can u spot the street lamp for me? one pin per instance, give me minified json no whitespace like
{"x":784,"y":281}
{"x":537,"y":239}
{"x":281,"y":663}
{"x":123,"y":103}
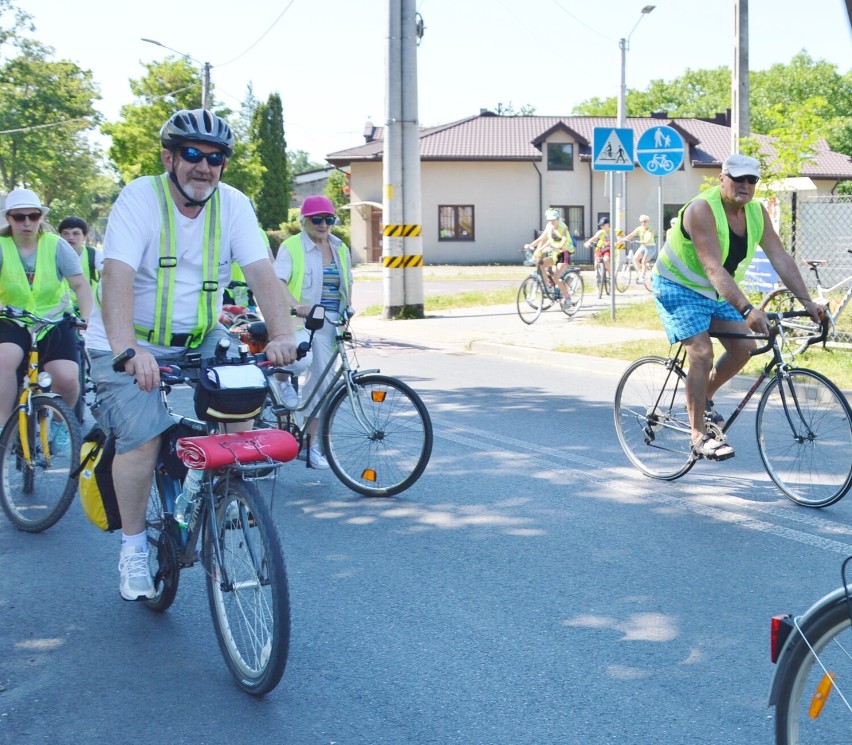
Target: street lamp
{"x":205,"y":66}
{"x":624,"y":45}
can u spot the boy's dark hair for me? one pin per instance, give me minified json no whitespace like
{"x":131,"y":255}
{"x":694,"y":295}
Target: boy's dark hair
{"x":74,"y":222}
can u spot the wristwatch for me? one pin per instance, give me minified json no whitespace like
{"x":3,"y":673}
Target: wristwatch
{"x":745,"y":311}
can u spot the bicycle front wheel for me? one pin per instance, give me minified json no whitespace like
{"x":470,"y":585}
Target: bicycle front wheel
{"x":600,"y":279}
{"x":574,"y":283}
{"x":810,"y":707}
{"x":622,"y":277}
{"x":651,"y":419}
{"x":378,"y":441}
{"x":247,"y":585}
{"x":804,"y":436}
{"x":35,"y":494}
{"x":530,"y":300}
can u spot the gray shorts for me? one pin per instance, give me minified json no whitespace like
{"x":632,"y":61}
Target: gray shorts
{"x":132,"y":415}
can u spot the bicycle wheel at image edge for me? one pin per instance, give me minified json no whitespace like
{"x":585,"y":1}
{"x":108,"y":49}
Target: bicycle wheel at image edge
{"x":651,"y":419}
{"x":530,"y":300}
{"x":247,"y":585}
{"x":804,"y":682}
{"x":806,"y":446}
{"x":574,"y":282}
{"x":391,"y":453}
{"x":35,"y":497}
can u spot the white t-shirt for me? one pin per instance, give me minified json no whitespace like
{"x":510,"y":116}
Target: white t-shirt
{"x":133,"y":237}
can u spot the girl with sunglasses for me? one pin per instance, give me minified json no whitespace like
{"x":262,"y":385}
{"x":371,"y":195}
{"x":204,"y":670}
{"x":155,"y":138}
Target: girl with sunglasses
{"x":315,"y":267}
{"x":36,"y":269}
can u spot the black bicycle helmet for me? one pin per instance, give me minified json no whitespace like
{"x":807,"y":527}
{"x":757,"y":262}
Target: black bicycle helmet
{"x":198,"y":125}
{"x":603,"y":221}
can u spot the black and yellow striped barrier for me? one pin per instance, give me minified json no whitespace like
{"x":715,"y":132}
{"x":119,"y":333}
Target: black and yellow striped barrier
{"x":402,"y":231}
{"x":402,"y":262}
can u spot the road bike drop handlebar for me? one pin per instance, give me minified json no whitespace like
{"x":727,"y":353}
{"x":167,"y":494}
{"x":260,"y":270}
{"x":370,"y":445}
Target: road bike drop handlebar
{"x":775,"y":328}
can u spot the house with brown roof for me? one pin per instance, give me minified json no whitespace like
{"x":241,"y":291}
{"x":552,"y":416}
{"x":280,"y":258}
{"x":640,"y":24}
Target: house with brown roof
{"x":486,"y":181}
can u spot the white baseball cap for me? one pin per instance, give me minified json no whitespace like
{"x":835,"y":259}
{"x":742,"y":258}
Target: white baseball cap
{"x":737,"y":165}
{"x":19,"y":199}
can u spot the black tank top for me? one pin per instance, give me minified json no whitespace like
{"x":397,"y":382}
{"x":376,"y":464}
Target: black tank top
{"x":737,"y":250}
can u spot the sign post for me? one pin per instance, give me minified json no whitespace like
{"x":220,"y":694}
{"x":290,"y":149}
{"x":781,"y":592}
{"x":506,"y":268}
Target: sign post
{"x":660,"y":152}
{"x":612,"y":151}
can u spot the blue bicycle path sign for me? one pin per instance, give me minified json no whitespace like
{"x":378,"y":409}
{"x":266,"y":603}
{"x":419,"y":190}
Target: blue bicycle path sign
{"x":660,"y":150}
{"x":613,"y":149}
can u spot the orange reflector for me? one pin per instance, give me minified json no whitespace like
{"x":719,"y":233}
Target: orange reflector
{"x":378,"y":396}
{"x":368,"y":474}
{"x":821,"y":695}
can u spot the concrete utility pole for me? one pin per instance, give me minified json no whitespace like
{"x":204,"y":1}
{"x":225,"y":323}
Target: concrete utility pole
{"x":402,"y":245}
{"x":740,"y":116}
{"x":205,"y":72}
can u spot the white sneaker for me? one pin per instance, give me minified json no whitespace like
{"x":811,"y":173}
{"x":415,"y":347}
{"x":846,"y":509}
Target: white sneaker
{"x":136,"y":580}
{"x":289,"y":396}
{"x":316,"y":458}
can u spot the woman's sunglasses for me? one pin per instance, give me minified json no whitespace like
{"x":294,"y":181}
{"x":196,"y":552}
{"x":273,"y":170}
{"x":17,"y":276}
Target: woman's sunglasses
{"x":320,"y":219}
{"x":31,"y":216}
{"x":740,"y":179}
{"x":194,"y":155}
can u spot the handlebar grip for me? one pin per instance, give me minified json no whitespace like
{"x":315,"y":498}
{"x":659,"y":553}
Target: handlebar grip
{"x":302,"y":350}
{"x":119,"y":360}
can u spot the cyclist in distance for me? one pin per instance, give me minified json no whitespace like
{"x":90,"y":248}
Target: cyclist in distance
{"x":600,"y":240}
{"x":696,"y":288}
{"x":315,"y":266}
{"x":75,"y":230}
{"x":169,"y":244}
{"x":549,"y":246}
{"x":37,"y":269}
{"x":647,"y":249}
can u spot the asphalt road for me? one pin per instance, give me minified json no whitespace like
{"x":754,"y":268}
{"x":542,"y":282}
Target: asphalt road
{"x":530,"y":588}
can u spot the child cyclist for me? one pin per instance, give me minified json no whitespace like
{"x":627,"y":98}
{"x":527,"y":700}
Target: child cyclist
{"x":548,"y":247}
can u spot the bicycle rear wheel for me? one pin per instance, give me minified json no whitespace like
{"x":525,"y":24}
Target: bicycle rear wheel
{"x":804,"y":436}
{"x":163,"y":540}
{"x":530,"y":299}
{"x":796,"y":330}
{"x":247,"y":585}
{"x":574,"y":283}
{"x":379,"y":442}
{"x":651,"y":419}
{"x":622,"y":277}
{"x":810,"y":708}
{"x":35,"y":496}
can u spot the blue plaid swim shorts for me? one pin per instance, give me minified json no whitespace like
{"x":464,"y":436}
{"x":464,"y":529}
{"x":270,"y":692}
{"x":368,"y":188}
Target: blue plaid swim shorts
{"x":685,"y":313}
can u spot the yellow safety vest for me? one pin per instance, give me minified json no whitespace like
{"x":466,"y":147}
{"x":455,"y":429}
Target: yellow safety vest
{"x":678,"y":260}
{"x":208,"y":311}
{"x":297,"y":275}
{"x":48,"y":296}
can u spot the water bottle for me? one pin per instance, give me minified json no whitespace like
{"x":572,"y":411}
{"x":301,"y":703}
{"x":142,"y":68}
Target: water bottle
{"x":185,"y":503}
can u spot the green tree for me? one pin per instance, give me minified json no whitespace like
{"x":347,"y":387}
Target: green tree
{"x":508,"y":109}
{"x":273,"y":199}
{"x":300,"y":162}
{"x":46,"y":110}
{"x":245,"y":171}
{"x":336,"y":190}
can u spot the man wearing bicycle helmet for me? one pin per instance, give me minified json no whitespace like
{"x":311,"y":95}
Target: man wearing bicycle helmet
{"x":549,"y":246}
{"x":168,"y":249}
{"x":696,"y":289}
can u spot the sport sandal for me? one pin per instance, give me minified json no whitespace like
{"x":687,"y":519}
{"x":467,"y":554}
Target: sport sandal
{"x":712,"y":448}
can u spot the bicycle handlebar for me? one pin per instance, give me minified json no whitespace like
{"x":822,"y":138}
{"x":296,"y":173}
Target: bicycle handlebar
{"x":14,"y":313}
{"x":775,"y":328}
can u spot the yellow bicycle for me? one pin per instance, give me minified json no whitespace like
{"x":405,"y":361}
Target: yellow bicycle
{"x":40,"y":443}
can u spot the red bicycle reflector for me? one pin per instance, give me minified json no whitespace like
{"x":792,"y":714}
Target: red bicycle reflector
{"x":368,"y":474}
{"x":378,"y":396}
{"x":780,"y":627}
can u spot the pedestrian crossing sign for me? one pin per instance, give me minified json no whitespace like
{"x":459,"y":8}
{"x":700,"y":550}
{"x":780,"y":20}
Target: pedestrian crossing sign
{"x":613,"y":149}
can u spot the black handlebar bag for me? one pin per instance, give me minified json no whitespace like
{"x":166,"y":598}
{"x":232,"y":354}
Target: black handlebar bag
{"x":230,"y":393}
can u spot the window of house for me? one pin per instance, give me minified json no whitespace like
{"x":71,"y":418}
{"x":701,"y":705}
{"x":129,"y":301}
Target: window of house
{"x":560,"y":156}
{"x":455,"y":222}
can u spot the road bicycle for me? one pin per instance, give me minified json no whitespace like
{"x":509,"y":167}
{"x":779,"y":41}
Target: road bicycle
{"x":376,"y":431}
{"x":231,"y":532}
{"x":626,"y":270}
{"x":811,"y":686}
{"x":798,"y":330}
{"x":602,"y":259}
{"x":539,"y":291}
{"x":40,"y":443}
{"x":803,"y":426}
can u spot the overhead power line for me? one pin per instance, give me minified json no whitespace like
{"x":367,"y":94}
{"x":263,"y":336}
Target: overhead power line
{"x":43,"y":126}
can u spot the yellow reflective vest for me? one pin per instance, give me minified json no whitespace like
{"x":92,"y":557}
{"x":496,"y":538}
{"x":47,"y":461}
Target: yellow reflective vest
{"x":48,"y":295}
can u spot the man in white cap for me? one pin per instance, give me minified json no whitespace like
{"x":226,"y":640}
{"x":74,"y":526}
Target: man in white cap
{"x":696,"y":288}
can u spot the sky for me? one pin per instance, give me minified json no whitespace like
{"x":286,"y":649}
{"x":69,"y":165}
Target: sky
{"x":326,"y":58}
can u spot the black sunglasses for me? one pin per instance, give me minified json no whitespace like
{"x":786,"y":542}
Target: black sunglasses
{"x":740,"y":179}
{"x":31,"y":216}
{"x":320,"y":219}
{"x":194,"y":155}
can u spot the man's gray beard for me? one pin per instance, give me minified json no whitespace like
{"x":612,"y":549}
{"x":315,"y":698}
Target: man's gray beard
{"x":198,"y":193}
